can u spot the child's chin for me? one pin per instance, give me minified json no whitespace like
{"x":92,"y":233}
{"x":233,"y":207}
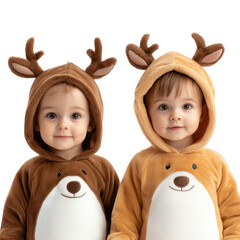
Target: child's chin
{"x":58,"y":149}
{"x":174,"y":138}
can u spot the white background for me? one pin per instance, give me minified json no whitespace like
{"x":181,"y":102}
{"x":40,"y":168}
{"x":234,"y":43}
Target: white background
{"x":64,"y":30}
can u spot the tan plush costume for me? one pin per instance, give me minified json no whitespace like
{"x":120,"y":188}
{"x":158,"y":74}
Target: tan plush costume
{"x":51,"y":197}
{"x":168,"y":195}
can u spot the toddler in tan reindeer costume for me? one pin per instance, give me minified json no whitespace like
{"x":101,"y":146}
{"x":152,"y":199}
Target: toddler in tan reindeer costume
{"x":176,"y":189}
{"x":66,"y":192}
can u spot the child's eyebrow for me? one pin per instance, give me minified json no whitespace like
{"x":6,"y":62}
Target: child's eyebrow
{"x":79,"y":108}
{"x":189,"y":99}
{"x":161,"y":100}
{"x":74,"y":107}
{"x":45,"y":108}
{"x":167,"y":100}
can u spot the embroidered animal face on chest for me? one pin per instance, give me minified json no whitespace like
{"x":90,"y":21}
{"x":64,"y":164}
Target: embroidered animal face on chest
{"x":71,"y":209}
{"x":181,"y":208}
{"x":71,"y":187}
{"x":181,"y":182}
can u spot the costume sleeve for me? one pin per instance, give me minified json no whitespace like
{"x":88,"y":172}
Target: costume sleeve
{"x":126,"y":216}
{"x":14,"y":213}
{"x":111,"y":184}
{"x":229,"y":204}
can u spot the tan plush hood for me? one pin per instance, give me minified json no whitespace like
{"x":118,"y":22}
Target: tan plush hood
{"x":142,"y":58}
{"x":179,"y":63}
{"x":69,"y":73}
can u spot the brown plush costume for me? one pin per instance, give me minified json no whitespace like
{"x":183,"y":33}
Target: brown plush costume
{"x":51,"y":197}
{"x":171,"y":195}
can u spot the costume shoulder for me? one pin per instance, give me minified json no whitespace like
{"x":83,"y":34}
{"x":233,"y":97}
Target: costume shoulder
{"x":215,"y":157}
{"x":101,"y":164}
{"x":217,"y":161}
{"x":109,"y":177}
{"x":141,"y":159}
{"x":32,"y":164}
{"x":98,"y":160}
{"x":26,"y":171}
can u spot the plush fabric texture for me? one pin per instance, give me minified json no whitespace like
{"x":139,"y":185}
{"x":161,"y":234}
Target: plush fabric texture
{"x":142,"y":56}
{"x":43,"y":176}
{"x":168,"y":195}
{"x":72,"y":74}
{"x":207,"y":55}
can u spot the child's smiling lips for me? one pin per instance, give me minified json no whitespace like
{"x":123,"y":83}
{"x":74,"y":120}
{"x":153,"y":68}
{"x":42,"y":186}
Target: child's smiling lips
{"x":63,"y":137}
{"x":175,"y":128}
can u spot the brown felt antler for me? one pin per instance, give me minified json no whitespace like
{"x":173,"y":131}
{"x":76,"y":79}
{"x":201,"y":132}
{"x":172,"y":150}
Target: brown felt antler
{"x":207,"y":56}
{"x":99,"y":68}
{"x":141,"y":57}
{"x":28,"y":67}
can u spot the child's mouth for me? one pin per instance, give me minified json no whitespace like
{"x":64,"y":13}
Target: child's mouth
{"x":175,"y":128}
{"x":62,"y":137}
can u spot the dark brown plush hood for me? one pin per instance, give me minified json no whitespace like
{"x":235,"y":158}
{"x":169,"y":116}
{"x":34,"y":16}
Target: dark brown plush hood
{"x":68,"y":73}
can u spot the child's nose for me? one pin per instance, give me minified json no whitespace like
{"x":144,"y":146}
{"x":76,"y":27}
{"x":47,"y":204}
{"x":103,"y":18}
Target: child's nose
{"x":175,"y":116}
{"x":62,"y":125}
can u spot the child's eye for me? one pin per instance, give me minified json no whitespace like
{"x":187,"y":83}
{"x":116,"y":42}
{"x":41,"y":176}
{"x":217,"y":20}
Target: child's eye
{"x":75,"y":116}
{"x":51,"y":115}
{"x":187,"y":106}
{"x":163,"y":107}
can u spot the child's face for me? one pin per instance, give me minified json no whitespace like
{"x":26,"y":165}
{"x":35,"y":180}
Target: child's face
{"x":63,"y":120}
{"x":175,"y":119}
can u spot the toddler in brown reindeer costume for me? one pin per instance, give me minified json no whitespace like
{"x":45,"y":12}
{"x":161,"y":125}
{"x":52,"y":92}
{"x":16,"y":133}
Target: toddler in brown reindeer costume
{"x":176,"y":189}
{"x":66,"y":192}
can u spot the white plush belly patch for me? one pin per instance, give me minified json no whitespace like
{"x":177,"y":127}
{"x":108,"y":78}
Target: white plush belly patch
{"x":182,"y":209}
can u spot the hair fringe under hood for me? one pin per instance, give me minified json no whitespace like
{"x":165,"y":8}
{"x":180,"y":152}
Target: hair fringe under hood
{"x":141,"y":57}
{"x":68,"y":73}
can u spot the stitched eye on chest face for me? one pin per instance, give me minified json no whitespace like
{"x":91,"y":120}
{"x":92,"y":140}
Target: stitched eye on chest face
{"x":168,"y":166}
{"x":194,"y":166}
{"x":59,"y":174}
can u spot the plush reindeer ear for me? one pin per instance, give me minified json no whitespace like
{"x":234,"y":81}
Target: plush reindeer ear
{"x":28,"y":67}
{"x":207,"y":56}
{"x":99,"y":68}
{"x":141,"y":57}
